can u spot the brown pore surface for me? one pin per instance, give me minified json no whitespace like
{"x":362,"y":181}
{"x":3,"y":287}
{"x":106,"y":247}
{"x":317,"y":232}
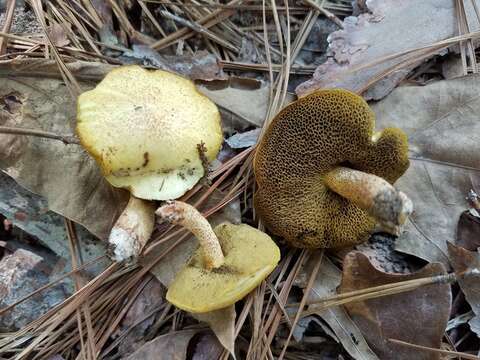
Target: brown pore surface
{"x":305,"y":141}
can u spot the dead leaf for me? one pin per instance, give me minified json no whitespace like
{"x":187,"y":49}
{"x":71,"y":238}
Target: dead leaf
{"x":222,"y":322}
{"x":441,"y":122}
{"x":207,"y":348}
{"x":244,"y":140}
{"x":418,"y":317}
{"x":200,"y":66}
{"x":57,"y":34}
{"x":390,"y":27}
{"x":30,"y":213}
{"x":172,"y":346}
{"x":325,"y":284}
{"x":151,"y":296}
{"x":468,"y":231}
{"x":246,"y":98}
{"x":64,"y":174}
{"x":463,"y":260}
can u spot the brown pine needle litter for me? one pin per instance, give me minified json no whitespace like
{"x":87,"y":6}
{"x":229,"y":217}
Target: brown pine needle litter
{"x":89,"y":318}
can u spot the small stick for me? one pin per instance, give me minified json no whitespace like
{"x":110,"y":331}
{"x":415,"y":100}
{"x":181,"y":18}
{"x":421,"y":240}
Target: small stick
{"x":181,"y":213}
{"x":7,"y":25}
{"x":438,"y":351}
{"x":66,"y":139}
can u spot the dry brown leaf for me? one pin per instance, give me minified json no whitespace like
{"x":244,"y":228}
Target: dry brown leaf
{"x":325,"y":284}
{"x":441,"y":121}
{"x":57,"y":34}
{"x":246,"y":98}
{"x":390,"y":27}
{"x":200,"y":66}
{"x":418,"y":317}
{"x":64,"y":174}
{"x":207,"y":348}
{"x":171,"y":346}
{"x":463,"y":260}
{"x":468,"y":231}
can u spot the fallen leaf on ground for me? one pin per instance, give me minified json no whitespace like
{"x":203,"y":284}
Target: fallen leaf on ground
{"x":65,"y":175}
{"x":150,"y":297}
{"x":200,"y":66}
{"x":244,"y":97}
{"x":244,"y":140}
{"x":441,"y":122}
{"x":325,"y":284}
{"x":171,"y":346}
{"x":418,"y":317}
{"x":207,"y":348}
{"x":468,"y":231}
{"x":389,"y":27}
{"x":463,"y":260}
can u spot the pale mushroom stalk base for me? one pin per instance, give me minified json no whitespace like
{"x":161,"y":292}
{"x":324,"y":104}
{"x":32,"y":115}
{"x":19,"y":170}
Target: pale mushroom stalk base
{"x":132,"y":230}
{"x":180,"y":213}
{"x":377,"y":196}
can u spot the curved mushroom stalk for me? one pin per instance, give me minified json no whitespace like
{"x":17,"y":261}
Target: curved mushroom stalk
{"x":214,"y":278}
{"x":381,"y":200}
{"x":180,"y":213}
{"x":132,"y":229}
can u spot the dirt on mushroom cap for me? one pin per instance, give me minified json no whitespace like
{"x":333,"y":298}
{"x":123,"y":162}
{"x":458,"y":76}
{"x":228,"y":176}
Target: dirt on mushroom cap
{"x":307,"y":139}
{"x":143,"y":127}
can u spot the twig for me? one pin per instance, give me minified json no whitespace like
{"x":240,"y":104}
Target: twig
{"x":7,"y":24}
{"x":325,"y":12}
{"x":66,"y":139}
{"x":199,"y":29}
{"x":384,"y":290}
{"x":438,"y":351}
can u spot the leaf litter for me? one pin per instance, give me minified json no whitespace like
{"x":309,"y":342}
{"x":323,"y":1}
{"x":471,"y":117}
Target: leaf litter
{"x":247,"y":73}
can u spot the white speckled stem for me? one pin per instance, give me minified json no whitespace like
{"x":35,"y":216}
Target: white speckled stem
{"x":180,"y":213}
{"x":132,"y":229}
{"x":381,"y":200}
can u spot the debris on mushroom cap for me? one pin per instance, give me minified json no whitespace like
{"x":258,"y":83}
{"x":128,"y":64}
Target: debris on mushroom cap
{"x":132,"y":229}
{"x":250,"y":256}
{"x":145,"y":128}
{"x":305,"y":141}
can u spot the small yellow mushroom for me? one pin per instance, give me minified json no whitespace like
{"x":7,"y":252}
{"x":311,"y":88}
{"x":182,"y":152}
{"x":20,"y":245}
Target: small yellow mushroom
{"x":152,"y":133}
{"x":229,"y":263}
{"x":324,"y":175}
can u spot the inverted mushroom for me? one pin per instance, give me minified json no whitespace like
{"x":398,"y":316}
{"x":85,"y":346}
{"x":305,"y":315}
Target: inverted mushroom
{"x":152,"y":133}
{"x":229,"y":263}
{"x":324,"y":175}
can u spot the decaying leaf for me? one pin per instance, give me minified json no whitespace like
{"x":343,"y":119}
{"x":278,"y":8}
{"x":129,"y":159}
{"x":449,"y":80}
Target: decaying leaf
{"x":246,"y":98}
{"x":441,"y":122}
{"x":463,"y":260}
{"x":390,"y":27}
{"x":207,"y":348}
{"x":30,"y":213}
{"x":222,"y":321}
{"x":172,"y":346}
{"x":325,"y":284}
{"x":468,"y":231}
{"x":201,"y":66}
{"x":64,"y":174}
{"x":244,"y":140}
{"x":417,"y":317}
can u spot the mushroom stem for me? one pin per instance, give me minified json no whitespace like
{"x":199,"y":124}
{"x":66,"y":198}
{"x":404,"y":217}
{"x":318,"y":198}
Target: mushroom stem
{"x":132,"y":230}
{"x":180,"y":213}
{"x":377,"y":196}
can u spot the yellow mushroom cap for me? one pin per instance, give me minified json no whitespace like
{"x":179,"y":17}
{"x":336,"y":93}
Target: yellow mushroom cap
{"x":250,"y":256}
{"x":305,"y":141}
{"x":144,"y":126}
